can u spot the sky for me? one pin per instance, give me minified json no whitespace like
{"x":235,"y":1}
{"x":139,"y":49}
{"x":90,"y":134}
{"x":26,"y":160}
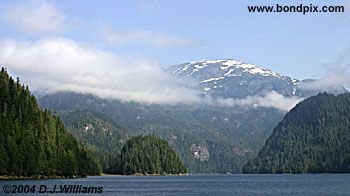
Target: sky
{"x":88,"y":44}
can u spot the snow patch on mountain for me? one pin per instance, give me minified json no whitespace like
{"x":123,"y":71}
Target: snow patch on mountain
{"x":212,"y":79}
{"x":238,"y":83}
{"x":230,"y":65}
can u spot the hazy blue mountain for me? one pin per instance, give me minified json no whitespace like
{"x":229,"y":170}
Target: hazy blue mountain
{"x":208,"y":139}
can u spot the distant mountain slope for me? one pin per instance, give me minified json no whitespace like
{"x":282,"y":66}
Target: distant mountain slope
{"x":228,"y":78}
{"x":209,"y":139}
{"x":33,"y":142}
{"x":104,"y":137}
{"x":313,"y":137}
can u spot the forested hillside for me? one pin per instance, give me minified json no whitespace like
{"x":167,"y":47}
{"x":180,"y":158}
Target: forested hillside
{"x":313,"y":137}
{"x":149,"y":155}
{"x":33,"y":142}
{"x":103,"y":136}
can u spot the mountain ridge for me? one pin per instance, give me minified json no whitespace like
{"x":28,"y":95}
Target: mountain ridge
{"x":230,"y":78}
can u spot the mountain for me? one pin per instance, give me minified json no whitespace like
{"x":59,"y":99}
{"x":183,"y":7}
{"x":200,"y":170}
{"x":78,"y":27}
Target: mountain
{"x":208,"y":139}
{"x":229,"y":78}
{"x":33,"y":142}
{"x":313,"y":137}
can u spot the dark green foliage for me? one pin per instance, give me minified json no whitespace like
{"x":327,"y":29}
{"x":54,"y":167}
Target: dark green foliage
{"x":103,"y":136}
{"x":32,"y":141}
{"x":149,"y":155}
{"x":313,"y":137}
{"x":231,"y":134}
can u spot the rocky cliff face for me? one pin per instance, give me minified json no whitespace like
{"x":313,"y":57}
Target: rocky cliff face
{"x":200,"y":152}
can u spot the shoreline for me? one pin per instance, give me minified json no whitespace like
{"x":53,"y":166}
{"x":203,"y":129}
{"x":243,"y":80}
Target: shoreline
{"x":39,"y":177}
{"x":42,"y":177}
{"x":141,"y":174}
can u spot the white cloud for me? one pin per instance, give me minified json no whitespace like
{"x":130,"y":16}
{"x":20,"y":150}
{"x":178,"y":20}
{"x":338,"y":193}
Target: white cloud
{"x":59,"y":64}
{"x":338,"y":75}
{"x":37,"y":16}
{"x":271,"y":99}
{"x":62,"y":64}
{"x":148,"y":38}
{"x":331,"y":81}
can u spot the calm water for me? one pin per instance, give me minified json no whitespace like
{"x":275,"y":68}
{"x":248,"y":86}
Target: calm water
{"x":308,"y":184}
